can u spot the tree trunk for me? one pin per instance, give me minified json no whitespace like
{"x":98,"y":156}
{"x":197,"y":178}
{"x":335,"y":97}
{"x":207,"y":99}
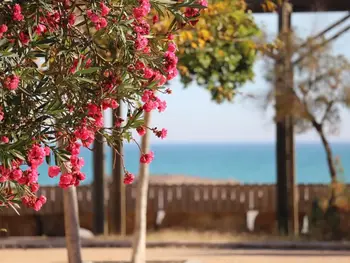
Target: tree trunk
{"x":71,"y":221}
{"x":329,"y":154}
{"x":331,"y":166}
{"x":139,"y":243}
{"x":71,"y":224}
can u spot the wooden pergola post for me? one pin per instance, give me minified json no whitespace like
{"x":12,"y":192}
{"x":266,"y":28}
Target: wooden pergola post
{"x":286,"y":189}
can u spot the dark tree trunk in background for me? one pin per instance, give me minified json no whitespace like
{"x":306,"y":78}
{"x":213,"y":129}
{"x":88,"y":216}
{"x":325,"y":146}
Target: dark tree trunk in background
{"x":117,"y":224}
{"x":98,"y":186}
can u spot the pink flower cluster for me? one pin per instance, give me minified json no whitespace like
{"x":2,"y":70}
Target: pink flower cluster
{"x":147,"y":158}
{"x":11,"y":82}
{"x":34,"y":202}
{"x":141,"y":27}
{"x":147,"y":73}
{"x":3,"y":29}
{"x":99,"y":20}
{"x":194,"y":12}
{"x":152,"y":101}
{"x":129,"y":178}
{"x":29,"y":176}
{"x":17,"y":13}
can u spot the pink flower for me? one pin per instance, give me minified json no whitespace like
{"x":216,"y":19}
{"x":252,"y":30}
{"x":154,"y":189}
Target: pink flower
{"x":203,"y":3}
{"x":139,"y":12}
{"x":147,"y":158}
{"x":155,"y":19}
{"x":66,"y":180}
{"x":39,"y":203}
{"x":172,"y":74}
{"x":172,"y":47}
{"x":43,"y":199}
{"x":160,"y":78}
{"x":34,"y":187}
{"x":92,"y":16}
{"x":149,"y":106}
{"x":114,"y":104}
{"x":147,"y":50}
{"x":24,"y":38}
{"x":11,"y":82}
{"x":3,"y":29}
{"x":36,"y":156}
{"x":16,"y":174}
{"x":141,"y":42}
{"x":79,"y":175}
{"x":141,"y":130}
{"x":102,"y":23}
{"x":163,"y":133}
{"x":17,"y":13}
{"x":71,"y":19}
{"x":147,"y":95}
{"x":171,"y":37}
{"x":77,"y":162}
{"x":139,"y":65}
{"x":5,"y":139}
{"x":74,"y":148}
{"x":32,"y":175}
{"x":54,"y":171}
{"x":110,"y":103}
{"x":161,"y":105}
{"x":39,"y":29}
{"x":129,"y":178}
{"x":148,"y":73}
{"x":104,"y":9}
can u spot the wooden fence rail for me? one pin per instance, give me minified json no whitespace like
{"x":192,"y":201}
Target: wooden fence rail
{"x":188,"y":198}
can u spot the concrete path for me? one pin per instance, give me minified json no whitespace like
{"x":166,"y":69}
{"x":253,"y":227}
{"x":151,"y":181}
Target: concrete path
{"x":111,"y":255}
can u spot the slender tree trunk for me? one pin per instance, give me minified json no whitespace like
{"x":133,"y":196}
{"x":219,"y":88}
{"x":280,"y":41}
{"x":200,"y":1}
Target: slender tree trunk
{"x":330,"y":162}
{"x":71,"y":222}
{"x":329,"y":154}
{"x":139,"y":244}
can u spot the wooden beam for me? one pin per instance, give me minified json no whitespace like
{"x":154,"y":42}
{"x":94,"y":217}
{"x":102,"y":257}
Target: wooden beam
{"x":306,"y":5}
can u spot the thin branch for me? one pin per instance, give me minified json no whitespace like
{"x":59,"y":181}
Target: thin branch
{"x":322,"y":44}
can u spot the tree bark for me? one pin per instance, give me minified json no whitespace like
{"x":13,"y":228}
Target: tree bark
{"x":71,"y":225}
{"x":117,"y":188}
{"x":139,"y":243}
{"x":71,"y":222}
{"x":329,"y":154}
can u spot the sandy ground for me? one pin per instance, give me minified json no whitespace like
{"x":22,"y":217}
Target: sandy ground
{"x":197,"y":255}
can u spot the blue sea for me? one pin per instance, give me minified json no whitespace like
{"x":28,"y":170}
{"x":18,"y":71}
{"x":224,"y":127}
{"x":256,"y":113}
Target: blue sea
{"x":246,"y":163}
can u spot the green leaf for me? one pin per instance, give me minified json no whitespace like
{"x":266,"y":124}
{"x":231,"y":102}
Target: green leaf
{"x":87,"y":71}
{"x":17,"y":154}
{"x":86,"y":80}
{"x":48,"y":159}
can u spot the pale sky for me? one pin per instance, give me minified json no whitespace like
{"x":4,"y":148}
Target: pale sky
{"x":192,"y":117}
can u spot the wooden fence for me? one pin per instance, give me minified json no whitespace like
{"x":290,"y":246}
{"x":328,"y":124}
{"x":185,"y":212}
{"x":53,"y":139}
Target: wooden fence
{"x":228,"y":198}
